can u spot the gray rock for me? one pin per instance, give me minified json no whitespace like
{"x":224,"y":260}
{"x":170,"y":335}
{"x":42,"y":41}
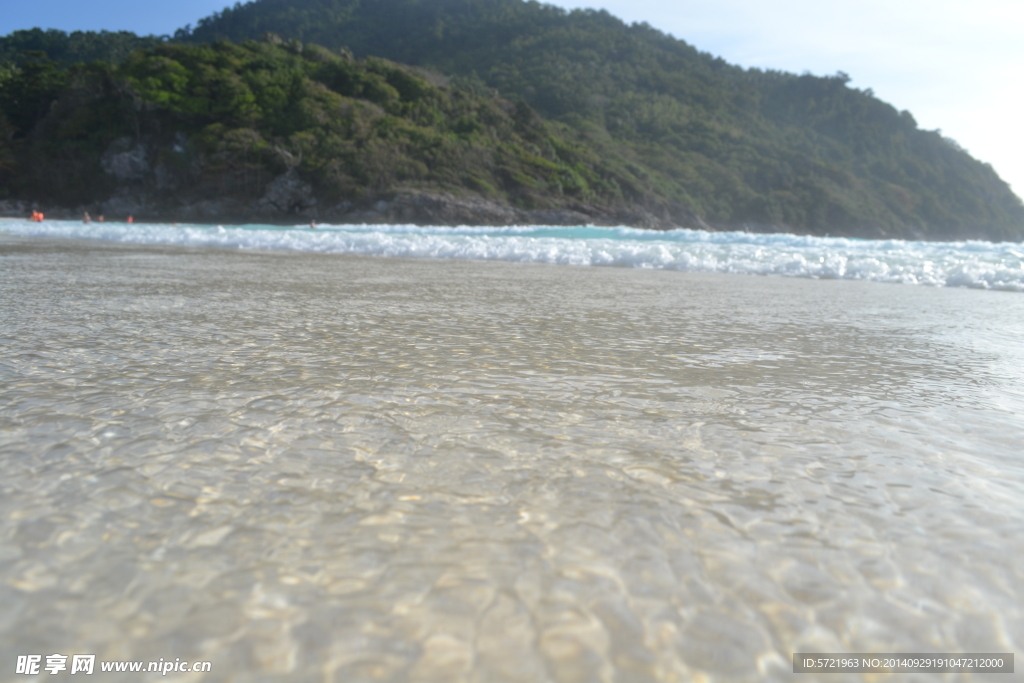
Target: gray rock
{"x":14,"y":209}
{"x":289,"y":195}
{"x":125,"y":203}
{"x":125,"y":162}
{"x":211,"y":210}
{"x":558,"y":217}
{"x":446,"y":209}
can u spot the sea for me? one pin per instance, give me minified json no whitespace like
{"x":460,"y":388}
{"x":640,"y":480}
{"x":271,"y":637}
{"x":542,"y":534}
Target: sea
{"x":520,"y":454}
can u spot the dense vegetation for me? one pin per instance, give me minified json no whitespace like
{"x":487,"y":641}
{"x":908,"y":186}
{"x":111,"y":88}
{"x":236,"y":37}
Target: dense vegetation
{"x":225,"y":119}
{"x":632,"y":117}
{"x":74,"y":48}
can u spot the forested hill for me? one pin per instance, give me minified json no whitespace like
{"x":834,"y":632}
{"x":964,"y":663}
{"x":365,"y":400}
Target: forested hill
{"x":634,"y":125}
{"x":18,"y":47}
{"x":738,"y":146}
{"x":269,"y":130}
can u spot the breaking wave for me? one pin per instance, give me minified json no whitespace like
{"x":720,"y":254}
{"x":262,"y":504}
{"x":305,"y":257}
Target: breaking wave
{"x":977,"y":264}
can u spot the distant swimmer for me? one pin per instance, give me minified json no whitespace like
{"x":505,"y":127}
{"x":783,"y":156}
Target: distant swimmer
{"x":37,"y":216}
{"x":312,"y":225}
{"x":86,"y":218}
{"x":100,"y":218}
{"x":131,"y":219}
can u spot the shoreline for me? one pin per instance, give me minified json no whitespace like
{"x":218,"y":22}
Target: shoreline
{"x":442,"y":210}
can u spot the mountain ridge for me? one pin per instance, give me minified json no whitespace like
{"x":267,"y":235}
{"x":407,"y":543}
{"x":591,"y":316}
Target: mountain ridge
{"x":672,"y":126}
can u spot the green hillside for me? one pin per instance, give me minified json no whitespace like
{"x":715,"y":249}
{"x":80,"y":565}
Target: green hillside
{"x":515,"y":103}
{"x":178,"y":125}
{"x":18,"y":47}
{"x":737,"y":146}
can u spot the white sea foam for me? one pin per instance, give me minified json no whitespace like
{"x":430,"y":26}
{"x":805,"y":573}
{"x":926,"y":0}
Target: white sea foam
{"x":975,"y":264}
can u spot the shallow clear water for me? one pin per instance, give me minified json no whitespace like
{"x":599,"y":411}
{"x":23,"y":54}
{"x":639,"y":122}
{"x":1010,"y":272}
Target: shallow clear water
{"x":310,"y":467}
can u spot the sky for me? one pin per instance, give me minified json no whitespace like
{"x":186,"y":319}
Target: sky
{"x":955,"y":65}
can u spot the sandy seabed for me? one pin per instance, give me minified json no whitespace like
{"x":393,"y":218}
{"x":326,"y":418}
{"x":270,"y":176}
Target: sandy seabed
{"x":305,"y":467}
